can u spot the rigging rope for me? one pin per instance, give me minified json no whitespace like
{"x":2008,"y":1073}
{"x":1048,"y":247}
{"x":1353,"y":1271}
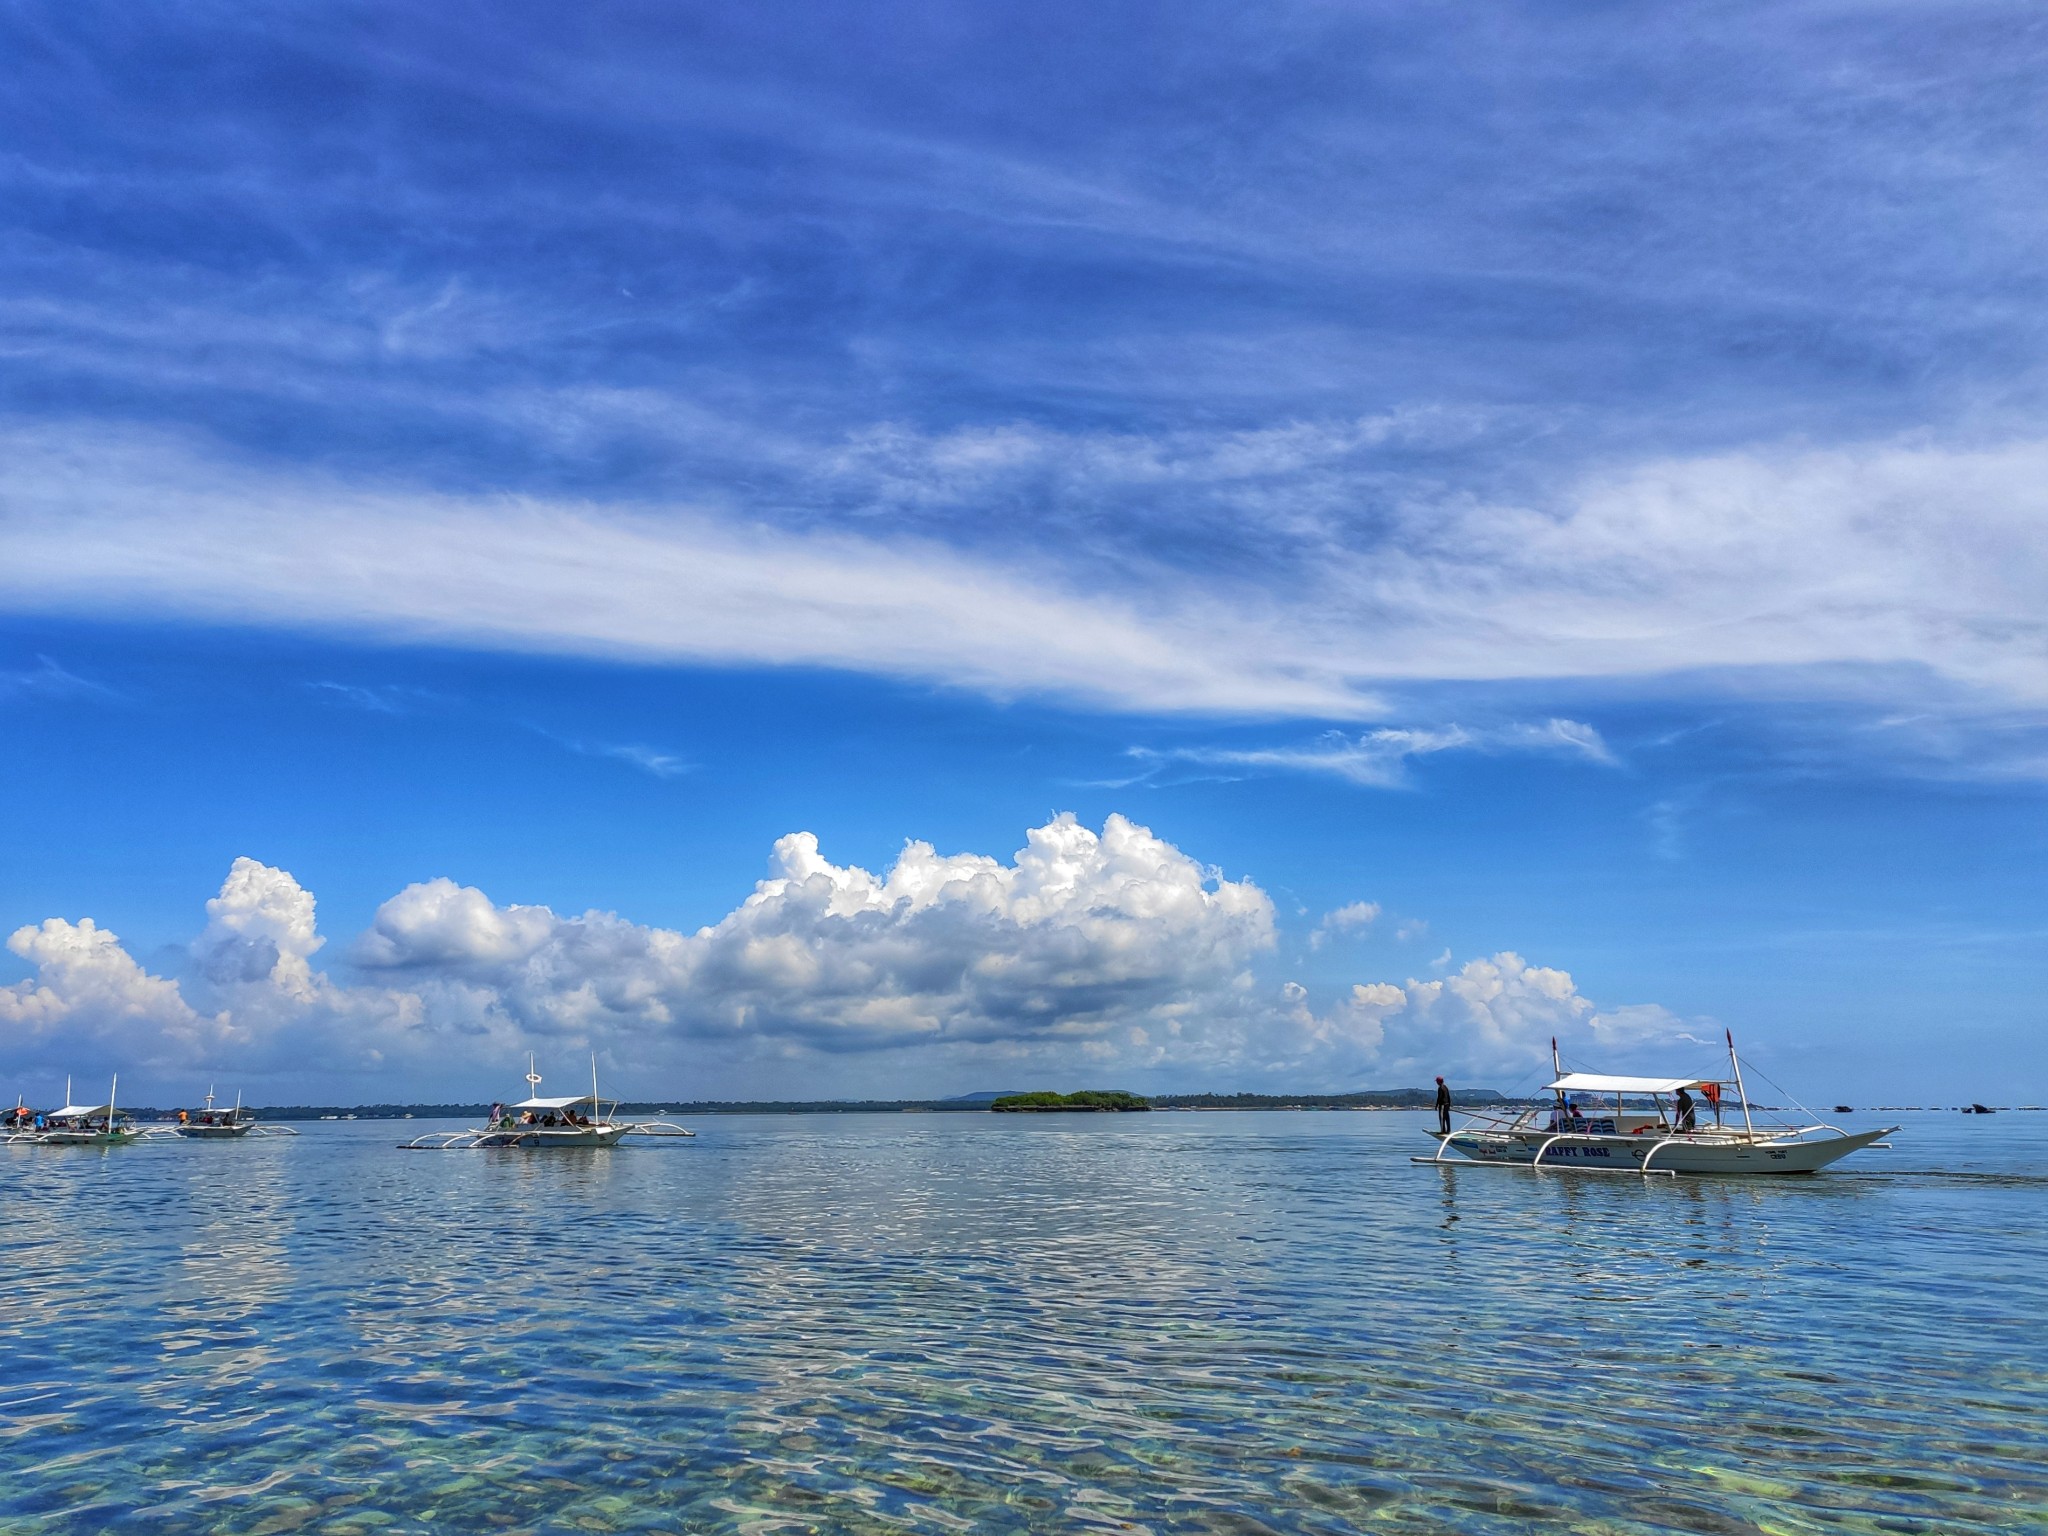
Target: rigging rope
{"x":1803,"y":1109}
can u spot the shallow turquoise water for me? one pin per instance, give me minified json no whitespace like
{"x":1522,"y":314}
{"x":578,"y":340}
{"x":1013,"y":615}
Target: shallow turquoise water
{"x":1166,"y":1322}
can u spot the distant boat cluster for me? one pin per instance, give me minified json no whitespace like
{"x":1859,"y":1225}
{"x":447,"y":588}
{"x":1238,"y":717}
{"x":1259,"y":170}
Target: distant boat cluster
{"x":105,"y":1125}
{"x":575,"y":1120}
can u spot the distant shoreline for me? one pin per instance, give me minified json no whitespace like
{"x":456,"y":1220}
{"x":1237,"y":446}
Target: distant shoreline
{"x":1182,"y":1103}
{"x":1371,"y":1099}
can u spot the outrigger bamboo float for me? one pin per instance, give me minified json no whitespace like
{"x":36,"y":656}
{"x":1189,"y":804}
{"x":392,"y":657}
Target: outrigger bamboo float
{"x":1589,"y":1125}
{"x":578,"y":1120}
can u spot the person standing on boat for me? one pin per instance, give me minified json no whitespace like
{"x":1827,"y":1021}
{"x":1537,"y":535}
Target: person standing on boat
{"x":1443,"y":1108}
{"x":1687,"y":1118}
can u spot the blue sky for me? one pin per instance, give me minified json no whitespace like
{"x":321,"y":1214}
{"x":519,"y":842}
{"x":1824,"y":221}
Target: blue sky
{"x":1492,"y":525}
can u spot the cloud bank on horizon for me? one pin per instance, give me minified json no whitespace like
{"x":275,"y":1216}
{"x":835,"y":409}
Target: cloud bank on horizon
{"x":1087,"y":956}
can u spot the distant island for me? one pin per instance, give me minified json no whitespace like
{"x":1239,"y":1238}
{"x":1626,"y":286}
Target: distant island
{"x":1100,"y":1099}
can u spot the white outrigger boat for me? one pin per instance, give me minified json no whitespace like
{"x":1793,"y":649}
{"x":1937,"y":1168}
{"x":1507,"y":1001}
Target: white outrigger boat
{"x":75,"y":1125}
{"x":577,"y":1120}
{"x":210,"y":1124}
{"x":1590,"y":1125}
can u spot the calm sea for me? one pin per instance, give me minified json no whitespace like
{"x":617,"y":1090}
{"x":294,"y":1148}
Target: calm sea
{"x":1165,"y":1322}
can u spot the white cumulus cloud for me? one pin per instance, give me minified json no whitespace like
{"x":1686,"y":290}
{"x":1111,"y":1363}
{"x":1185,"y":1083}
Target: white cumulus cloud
{"x":260,"y":928}
{"x":1093,"y":953}
{"x":1494,"y":1015}
{"x":87,"y":987}
{"x":1350,"y":918}
{"x":1079,"y":935}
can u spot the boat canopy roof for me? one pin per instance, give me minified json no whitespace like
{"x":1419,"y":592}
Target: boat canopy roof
{"x":1600,"y":1082}
{"x":568,"y":1102}
{"x":77,"y":1111}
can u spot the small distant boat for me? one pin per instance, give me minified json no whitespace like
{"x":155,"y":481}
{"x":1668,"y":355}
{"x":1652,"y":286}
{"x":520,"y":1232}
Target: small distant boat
{"x":575,"y":1120}
{"x":1845,"y":1109}
{"x":1979,"y":1109}
{"x":1580,"y":1130}
{"x":75,"y":1125}
{"x":210,"y":1124}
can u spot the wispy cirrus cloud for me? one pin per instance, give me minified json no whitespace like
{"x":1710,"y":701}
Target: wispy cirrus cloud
{"x":48,"y":679}
{"x":1378,"y":759}
{"x":661,"y":765}
{"x":182,"y":537}
{"x":1900,"y":561}
{"x":375,"y":698}
{"x":1364,"y":389}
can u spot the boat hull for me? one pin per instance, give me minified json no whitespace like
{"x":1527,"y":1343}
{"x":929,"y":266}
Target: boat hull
{"x":1705,"y":1153}
{"x":540,"y":1138}
{"x":72,"y":1138}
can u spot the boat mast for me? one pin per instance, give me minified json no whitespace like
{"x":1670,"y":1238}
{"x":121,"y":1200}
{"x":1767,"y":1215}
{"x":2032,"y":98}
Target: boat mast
{"x":596,"y":1105}
{"x":112,"y":1090}
{"x":1740,"y":1092}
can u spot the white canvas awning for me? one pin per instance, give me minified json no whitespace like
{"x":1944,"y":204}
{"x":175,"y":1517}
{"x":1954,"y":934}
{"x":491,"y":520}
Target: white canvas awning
{"x":79,"y":1111}
{"x":563,"y":1103}
{"x":1599,"y":1082}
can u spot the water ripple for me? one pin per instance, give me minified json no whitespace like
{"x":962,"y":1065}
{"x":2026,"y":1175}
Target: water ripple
{"x":1216,"y":1323}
